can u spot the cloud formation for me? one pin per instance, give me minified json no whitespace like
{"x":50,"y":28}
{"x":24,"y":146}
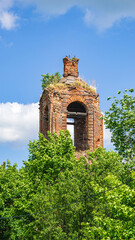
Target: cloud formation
{"x":101,"y":14}
{"x":8,"y":20}
{"x":18,"y":122}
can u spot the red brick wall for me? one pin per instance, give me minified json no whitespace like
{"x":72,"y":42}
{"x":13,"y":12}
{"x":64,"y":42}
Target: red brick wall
{"x":88,"y":130}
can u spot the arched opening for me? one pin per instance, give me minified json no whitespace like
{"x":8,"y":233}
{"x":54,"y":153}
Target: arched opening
{"x":76,"y":107}
{"x":77,"y":124}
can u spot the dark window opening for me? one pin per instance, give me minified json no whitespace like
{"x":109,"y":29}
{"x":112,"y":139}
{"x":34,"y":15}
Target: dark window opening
{"x":76,"y":107}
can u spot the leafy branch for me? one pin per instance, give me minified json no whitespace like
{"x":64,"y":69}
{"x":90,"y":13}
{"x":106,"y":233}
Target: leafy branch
{"x":50,"y":79}
{"x":120,"y":119}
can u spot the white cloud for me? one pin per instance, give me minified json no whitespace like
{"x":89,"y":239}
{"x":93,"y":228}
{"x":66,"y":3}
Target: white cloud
{"x":101,"y":14}
{"x":104,"y":14}
{"x":18,"y":122}
{"x":104,"y":20}
{"x":8,"y":20}
{"x":51,"y":7}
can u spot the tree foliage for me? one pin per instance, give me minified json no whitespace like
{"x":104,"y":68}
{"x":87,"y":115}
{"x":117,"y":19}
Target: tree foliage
{"x":120,"y":119}
{"x":49,"y":79}
{"x":54,"y":196}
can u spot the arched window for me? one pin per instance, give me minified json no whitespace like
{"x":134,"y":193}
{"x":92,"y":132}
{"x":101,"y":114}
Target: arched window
{"x":76,"y":107}
{"x":77,"y":124}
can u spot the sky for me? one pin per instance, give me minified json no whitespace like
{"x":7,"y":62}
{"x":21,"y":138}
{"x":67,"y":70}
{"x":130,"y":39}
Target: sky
{"x":35,"y":35}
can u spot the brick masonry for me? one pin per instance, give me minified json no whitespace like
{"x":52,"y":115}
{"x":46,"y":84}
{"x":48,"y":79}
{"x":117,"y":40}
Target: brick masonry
{"x":54,"y":102}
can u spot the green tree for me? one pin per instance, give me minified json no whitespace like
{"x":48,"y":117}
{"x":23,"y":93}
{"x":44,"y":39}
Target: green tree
{"x":120,"y":119}
{"x":82,"y":201}
{"x":49,"y":79}
{"x":113,"y":212}
{"x":55,"y":196}
{"x":9,"y":179}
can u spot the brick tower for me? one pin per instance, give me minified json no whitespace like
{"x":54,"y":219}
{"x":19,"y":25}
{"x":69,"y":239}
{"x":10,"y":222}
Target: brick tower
{"x":72,"y":103}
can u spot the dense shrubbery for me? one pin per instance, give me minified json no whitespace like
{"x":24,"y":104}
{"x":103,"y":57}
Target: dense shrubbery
{"x":55,"y":196}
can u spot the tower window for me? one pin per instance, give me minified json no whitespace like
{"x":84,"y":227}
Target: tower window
{"x":77,"y":124}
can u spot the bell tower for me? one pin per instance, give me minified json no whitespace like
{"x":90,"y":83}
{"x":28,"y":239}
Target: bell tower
{"x":72,"y":104}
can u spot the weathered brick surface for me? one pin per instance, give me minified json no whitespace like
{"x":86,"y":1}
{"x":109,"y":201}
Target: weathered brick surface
{"x":53,"y":113}
{"x":70,"y":67}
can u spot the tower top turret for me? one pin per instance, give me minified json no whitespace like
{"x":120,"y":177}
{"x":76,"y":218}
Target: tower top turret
{"x":70,"y":66}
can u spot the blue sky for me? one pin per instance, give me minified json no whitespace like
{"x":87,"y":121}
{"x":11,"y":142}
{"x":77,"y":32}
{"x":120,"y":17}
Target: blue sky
{"x":35,"y":35}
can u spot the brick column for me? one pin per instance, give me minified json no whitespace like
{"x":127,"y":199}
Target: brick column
{"x":90,"y":130}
